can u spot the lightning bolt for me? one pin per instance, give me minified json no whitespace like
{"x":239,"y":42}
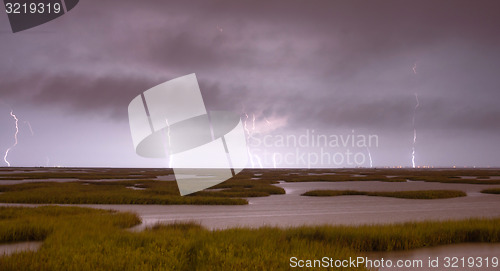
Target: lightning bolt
{"x":16,"y":121}
{"x":249,"y":135}
{"x":168,"y":134}
{"x":268,"y":123}
{"x":253,"y":130}
{"x":258,"y":161}
{"x":29,"y":126}
{"x":370,"y":156}
{"x":414,"y":68}
{"x":414,"y":131}
{"x":15,"y":138}
{"x":169,"y":144}
{"x":253,"y":122}
{"x":274,"y":159}
{"x":245,"y":126}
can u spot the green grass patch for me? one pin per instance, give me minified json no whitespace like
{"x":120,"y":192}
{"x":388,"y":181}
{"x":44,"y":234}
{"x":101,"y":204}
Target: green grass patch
{"x":420,"y":194}
{"x":35,"y":224}
{"x":121,"y":192}
{"x":81,"y":173}
{"x":453,"y":179}
{"x":243,"y":188}
{"x":491,"y":191}
{"x":90,"y":239}
{"x":248,"y":183}
{"x":156,"y":192}
{"x":446,"y":175}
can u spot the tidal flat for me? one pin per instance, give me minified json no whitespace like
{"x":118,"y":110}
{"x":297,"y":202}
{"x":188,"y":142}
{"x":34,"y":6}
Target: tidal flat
{"x":259,"y":212}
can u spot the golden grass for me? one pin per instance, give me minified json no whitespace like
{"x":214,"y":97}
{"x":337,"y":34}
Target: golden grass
{"x":90,"y":239}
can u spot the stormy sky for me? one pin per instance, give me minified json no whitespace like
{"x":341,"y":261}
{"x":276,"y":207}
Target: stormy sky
{"x":333,"y":68}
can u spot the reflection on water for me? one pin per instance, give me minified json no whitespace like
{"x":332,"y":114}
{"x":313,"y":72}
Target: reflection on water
{"x":479,"y":256}
{"x":7,"y":249}
{"x":293,"y":209}
{"x":135,"y":188}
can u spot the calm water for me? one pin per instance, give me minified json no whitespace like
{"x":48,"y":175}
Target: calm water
{"x":295,"y":210}
{"x":7,"y":249}
{"x":489,"y":256}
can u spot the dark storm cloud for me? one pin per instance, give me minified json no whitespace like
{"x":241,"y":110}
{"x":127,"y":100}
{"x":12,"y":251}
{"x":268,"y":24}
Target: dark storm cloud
{"x":345,"y":63}
{"x":87,"y":95}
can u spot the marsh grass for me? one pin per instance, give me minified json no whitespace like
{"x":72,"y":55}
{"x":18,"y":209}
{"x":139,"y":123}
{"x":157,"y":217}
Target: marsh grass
{"x":244,"y":188}
{"x":89,"y":239}
{"x":480,"y":176}
{"x":119,"y":192}
{"x":453,"y":179}
{"x":81,"y":173}
{"x":248,"y":183}
{"x":35,"y":224}
{"x":420,"y":194}
{"x":404,"y":236}
{"x":491,"y":191}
